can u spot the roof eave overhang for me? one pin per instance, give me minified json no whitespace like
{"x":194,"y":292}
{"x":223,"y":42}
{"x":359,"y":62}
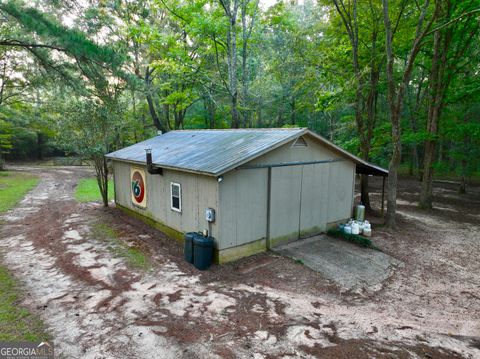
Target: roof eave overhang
{"x":364,"y":166}
{"x":172,"y":168}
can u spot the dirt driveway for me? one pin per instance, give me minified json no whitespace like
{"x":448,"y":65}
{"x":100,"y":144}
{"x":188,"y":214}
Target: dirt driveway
{"x":266,"y":306}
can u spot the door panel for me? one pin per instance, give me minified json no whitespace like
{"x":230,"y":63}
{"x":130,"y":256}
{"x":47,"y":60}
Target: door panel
{"x":285,"y":204}
{"x":314,"y":200}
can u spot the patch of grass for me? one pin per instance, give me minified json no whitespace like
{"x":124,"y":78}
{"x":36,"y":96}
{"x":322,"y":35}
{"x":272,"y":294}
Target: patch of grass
{"x":13,"y":187}
{"x":134,"y":256}
{"x":17,"y":323}
{"x":354,"y":238}
{"x":87,"y":190}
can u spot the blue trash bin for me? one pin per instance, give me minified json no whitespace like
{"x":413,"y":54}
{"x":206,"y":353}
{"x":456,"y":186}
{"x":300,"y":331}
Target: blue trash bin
{"x":202,"y":251}
{"x":188,"y":246}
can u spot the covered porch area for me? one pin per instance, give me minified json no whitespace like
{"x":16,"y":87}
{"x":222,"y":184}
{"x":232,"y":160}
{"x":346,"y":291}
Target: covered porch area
{"x":365,"y":168}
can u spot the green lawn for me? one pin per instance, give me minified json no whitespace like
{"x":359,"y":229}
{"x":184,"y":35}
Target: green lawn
{"x":87,"y":190}
{"x":13,"y":187}
{"x":134,"y":256}
{"x":16,"y":323}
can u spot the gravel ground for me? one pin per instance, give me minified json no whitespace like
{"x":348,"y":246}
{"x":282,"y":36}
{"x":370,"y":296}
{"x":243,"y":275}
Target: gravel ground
{"x":265,"y":306}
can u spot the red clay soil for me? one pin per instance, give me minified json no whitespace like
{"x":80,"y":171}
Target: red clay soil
{"x":265,"y":306}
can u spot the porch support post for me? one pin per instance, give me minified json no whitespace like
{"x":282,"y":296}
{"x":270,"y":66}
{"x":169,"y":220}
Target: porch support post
{"x":383,"y":195}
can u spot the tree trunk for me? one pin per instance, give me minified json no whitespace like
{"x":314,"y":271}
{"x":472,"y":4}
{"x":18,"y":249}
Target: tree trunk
{"x":393,"y":170}
{"x":463,"y":163}
{"x":101,"y":171}
{"x":364,"y":197}
{"x":260,"y":114}
{"x":232,"y":63}
{"x":151,"y":105}
{"x":437,"y":89}
{"x":40,"y":146}
{"x":364,"y":125}
{"x":154,"y":115}
{"x":366,"y":138}
{"x":414,"y":110}
{"x":463,"y":187}
{"x":209,"y":107}
{"x":293,"y":118}
{"x":245,"y":111}
{"x":395,"y":97}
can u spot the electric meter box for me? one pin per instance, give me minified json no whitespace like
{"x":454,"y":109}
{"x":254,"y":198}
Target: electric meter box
{"x":210,"y":215}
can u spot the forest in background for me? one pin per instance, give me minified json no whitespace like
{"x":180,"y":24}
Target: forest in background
{"x":394,"y":81}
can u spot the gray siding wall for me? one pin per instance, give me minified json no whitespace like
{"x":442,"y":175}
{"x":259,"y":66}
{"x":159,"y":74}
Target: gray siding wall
{"x":341,"y":186}
{"x":198,"y":193}
{"x":242,"y":207}
{"x":304,"y":198}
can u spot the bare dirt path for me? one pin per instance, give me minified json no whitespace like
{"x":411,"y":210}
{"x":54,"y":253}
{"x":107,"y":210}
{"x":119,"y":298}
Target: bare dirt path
{"x":266,"y":306}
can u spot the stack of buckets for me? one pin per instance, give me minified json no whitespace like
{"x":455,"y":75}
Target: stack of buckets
{"x":198,"y":250}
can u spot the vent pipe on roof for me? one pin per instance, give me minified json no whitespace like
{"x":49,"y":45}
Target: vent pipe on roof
{"x":153,"y":170}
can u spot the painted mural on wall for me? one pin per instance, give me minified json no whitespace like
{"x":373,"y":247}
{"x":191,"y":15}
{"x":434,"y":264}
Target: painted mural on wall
{"x":138,"y":187}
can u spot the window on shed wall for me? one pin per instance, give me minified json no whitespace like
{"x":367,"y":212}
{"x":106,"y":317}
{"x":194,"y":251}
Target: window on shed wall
{"x":300,"y":142}
{"x":175,"y":196}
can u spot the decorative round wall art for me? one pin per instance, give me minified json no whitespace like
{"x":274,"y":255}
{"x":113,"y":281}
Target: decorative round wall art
{"x":138,"y":188}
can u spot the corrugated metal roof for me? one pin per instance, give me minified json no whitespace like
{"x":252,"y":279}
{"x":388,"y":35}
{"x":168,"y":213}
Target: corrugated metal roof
{"x":215,"y":152}
{"x":207,"y":151}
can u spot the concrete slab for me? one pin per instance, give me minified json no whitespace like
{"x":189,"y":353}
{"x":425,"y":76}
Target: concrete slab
{"x":350,"y":266}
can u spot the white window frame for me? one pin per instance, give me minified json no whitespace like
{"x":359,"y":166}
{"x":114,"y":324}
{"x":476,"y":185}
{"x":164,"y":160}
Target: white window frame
{"x":172,"y":184}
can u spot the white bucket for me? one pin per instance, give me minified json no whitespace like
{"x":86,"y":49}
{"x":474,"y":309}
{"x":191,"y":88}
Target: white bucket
{"x":367,"y":232}
{"x":347,"y":229}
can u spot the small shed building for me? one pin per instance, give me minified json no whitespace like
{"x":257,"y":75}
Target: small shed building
{"x":251,"y":188}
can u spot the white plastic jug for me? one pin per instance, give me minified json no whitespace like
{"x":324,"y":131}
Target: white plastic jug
{"x":355,"y":228}
{"x":367,"y":224}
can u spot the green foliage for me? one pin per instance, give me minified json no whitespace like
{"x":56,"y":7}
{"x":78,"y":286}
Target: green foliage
{"x":87,"y":190}
{"x":72,"y":41}
{"x":5,"y":137}
{"x":88,"y":126}
{"x":118,"y":71}
{"x":13,"y":186}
